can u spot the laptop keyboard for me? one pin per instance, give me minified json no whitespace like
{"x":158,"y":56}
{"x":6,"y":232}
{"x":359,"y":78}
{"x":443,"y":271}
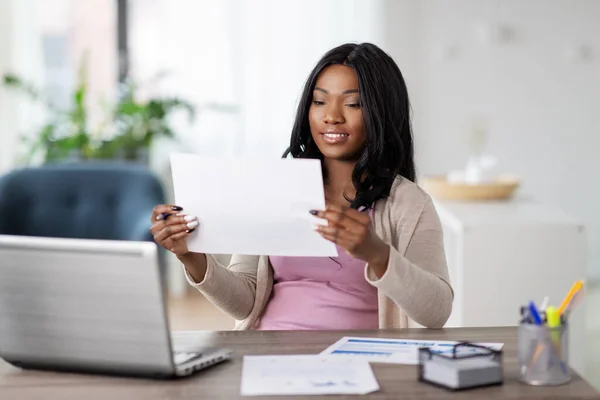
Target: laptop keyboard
{"x":180,"y":358}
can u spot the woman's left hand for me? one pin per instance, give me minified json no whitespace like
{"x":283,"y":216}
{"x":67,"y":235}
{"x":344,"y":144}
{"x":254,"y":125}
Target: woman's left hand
{"x":352,"y":230}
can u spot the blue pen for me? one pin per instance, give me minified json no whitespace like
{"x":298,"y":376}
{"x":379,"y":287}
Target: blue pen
{"x":534,"y":313}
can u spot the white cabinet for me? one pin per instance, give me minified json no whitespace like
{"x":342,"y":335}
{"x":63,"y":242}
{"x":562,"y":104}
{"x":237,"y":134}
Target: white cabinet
{"x":501,"y":255}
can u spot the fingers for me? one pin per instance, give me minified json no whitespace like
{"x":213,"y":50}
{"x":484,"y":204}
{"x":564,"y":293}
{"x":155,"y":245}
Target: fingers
{"x":160,"y":231}
{"x":179,"y":236}
{"x":183,"y":221}
{"x":334,"y":211}
{"x":171,"y":226}
{"x":170,"y":231}
{"x":346,"y":227}
{"x":172,"y":243}
{"x":345,"y":217}
{"x":169,"y":219}
{"x":163,"y":211}
{"x":341,"y":235}
{"x":342,"y":241}
{"x":177,"y":219}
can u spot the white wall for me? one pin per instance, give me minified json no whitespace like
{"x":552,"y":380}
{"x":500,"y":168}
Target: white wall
{"x":541,"y":103}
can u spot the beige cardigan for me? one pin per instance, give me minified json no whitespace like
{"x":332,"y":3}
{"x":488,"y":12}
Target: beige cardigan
{"x":414,"y":291}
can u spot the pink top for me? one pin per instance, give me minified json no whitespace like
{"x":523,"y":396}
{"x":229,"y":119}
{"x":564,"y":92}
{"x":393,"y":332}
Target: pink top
{"x":320,"y":293}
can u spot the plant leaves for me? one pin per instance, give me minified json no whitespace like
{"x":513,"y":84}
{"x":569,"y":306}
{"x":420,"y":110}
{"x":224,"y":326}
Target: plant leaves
{"x":12,"y":81}
{"x":132,"y":124}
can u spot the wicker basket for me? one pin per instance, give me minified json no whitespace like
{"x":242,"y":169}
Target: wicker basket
{"x":502,"y":188}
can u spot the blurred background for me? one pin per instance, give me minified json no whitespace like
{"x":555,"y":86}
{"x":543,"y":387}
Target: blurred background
{"x":497,"y":87}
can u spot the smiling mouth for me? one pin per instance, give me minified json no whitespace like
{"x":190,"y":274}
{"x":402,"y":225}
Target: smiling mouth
{"x":335,"y":137}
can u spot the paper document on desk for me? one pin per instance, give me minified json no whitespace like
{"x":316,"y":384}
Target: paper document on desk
{"x":396,"y":351}
{"x":252,"y":206}
{"x":305,"y":375}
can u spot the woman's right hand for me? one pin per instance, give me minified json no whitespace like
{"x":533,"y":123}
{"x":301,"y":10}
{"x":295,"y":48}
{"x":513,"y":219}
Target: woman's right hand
{"x":171,"y":226}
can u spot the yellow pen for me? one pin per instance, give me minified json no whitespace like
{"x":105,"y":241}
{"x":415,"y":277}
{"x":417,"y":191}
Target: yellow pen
{"x":574,"y":302}
{"x":574,"y":289}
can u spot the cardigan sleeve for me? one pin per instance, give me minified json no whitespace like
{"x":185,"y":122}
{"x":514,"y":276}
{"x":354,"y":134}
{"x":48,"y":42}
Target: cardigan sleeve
{"x":231,"y":288}
{"x":418,"y":281}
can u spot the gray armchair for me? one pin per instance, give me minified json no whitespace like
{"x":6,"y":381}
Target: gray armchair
{"x":110,"y":201}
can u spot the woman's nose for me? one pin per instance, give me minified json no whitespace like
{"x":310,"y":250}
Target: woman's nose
{"x":333,"y":115}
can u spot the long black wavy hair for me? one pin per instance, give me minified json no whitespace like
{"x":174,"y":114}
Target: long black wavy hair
{"x":389,"y":149}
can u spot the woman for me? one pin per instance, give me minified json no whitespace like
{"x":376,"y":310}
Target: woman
{"x":391,"y":269}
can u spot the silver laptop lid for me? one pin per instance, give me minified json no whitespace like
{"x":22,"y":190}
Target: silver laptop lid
{"x":84,"y":304}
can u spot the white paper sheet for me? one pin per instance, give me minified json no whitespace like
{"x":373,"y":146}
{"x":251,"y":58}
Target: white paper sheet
{"x":396,"y":351}
{"x":305,"y":375}
{"x":252,"y":206}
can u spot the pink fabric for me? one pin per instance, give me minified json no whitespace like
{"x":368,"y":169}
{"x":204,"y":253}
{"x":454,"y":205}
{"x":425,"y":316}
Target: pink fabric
{"x":320,"y":293}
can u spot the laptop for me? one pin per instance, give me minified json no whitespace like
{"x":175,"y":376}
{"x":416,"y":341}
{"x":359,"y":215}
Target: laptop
{"x":91,"y":306}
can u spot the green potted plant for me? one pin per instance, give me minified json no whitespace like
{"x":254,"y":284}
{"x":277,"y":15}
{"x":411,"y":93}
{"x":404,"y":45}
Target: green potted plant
{"x":129,"y":130}
{"x":138,"y":123}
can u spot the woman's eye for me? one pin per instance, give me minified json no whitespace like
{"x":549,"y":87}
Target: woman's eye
{"x":318,"y":103}
{"x":354,"y":105}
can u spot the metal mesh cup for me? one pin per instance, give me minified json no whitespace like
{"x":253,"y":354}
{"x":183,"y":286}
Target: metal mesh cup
{"x":543,"y":355}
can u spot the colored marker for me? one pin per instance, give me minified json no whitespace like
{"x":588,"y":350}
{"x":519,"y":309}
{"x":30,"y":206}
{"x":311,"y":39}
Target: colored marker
{"x":554,"y":326}
{"x":553,"y":323}
{"x":569,"y":297}
{"x":534,"y":313}
{"x":574,"y":302}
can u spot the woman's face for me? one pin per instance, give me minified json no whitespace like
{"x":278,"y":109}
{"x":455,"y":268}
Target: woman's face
{"x":335,"y":116}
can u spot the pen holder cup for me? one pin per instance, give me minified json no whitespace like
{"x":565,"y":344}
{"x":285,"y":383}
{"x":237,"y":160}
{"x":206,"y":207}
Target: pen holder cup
{"x":543,"y":355}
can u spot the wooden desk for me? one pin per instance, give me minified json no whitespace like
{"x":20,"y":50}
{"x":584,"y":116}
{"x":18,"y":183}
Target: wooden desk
{"x":223,"y":381}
